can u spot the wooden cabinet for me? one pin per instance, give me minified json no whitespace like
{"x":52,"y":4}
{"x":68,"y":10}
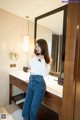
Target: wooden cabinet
{"x":18,"y":83}
{"x":53,"y":102}
{"x":14,"y":81}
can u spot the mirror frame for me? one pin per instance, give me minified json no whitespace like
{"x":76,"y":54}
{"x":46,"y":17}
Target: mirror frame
{"x":62,"y":8}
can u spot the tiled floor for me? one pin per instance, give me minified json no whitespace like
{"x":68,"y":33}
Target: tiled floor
{"x":10,"y":112}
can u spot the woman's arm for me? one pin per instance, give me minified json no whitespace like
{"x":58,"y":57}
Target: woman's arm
{"x":51,"y":60}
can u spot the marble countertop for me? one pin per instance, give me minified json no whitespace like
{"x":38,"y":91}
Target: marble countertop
{"x":52,"y":85}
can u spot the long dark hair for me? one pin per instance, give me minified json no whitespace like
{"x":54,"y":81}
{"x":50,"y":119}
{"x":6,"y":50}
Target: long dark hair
{"x":44,"y":49}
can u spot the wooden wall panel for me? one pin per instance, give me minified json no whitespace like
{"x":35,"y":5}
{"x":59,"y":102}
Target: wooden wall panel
{"x":69,"y":86}
{"x":77,"y":71}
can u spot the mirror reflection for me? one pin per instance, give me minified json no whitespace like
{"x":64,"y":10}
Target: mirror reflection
{"x":52,"y":29}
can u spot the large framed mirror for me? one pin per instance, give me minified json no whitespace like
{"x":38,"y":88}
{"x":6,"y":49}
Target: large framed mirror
{"x":51,"y":26}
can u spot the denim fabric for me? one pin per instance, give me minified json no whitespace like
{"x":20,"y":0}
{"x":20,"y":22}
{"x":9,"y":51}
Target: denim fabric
{"x":35,"y":93}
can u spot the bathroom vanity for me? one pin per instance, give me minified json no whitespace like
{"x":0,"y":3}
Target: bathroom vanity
{"x":54,"y":91}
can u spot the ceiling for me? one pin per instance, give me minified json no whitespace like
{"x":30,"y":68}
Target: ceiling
{"x":31,"y":8}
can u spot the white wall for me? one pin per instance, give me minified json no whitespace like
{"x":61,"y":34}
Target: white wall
{"x":12,"y":31}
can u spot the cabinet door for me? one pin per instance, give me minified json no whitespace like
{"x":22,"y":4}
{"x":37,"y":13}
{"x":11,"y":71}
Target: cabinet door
{"x":77,"y":72}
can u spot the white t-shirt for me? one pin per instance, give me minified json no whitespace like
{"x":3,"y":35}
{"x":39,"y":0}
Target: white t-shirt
{"x":39,"y":66}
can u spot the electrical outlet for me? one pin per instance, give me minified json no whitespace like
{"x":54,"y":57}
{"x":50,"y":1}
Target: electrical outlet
{"x":12,"y":65}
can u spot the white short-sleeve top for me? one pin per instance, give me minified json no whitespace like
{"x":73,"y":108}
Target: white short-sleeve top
{"x":39,"y":66}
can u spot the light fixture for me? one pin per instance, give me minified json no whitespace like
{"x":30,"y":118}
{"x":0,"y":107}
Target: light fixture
{"x":26,"y":44}
{"x":13,"y":56}
{"x":26,"y":41}
{"x":26,"y":38}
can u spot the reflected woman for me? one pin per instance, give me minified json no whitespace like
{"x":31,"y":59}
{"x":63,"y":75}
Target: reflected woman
{"x":39,"y":68}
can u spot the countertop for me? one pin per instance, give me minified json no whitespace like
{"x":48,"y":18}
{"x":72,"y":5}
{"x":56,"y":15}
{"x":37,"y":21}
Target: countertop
{"x":52,"y":85}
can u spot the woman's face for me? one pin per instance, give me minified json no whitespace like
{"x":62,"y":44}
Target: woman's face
{"x":38,"y":49}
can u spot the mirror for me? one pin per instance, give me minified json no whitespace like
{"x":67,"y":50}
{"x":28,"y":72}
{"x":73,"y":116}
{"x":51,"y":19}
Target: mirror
{"x":51,"y":26}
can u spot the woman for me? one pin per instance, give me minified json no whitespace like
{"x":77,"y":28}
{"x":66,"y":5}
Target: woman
{"x":39,"y":68}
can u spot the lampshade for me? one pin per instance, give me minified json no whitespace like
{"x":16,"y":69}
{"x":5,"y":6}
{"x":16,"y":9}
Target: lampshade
{"x":26,"y":44}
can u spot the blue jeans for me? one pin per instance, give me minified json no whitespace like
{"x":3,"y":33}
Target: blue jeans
{"x":35,"y":93}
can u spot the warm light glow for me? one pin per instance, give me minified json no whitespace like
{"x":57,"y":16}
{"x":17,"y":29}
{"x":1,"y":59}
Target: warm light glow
{"x":26,"y":44}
